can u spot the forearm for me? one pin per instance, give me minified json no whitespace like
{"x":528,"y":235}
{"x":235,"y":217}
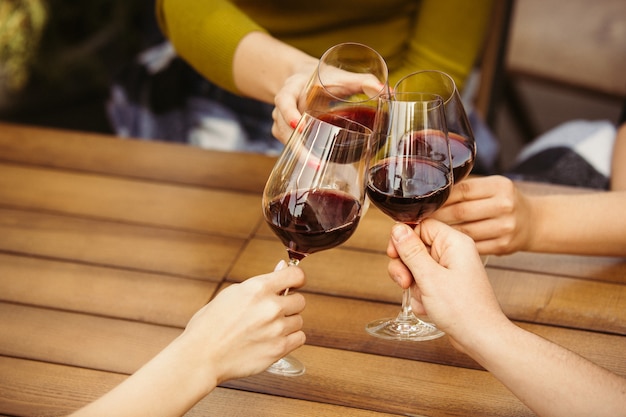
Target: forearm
{"x":206,"y":34}
{"x":262,"y":64}
{"x":169,"y":385}
{"x":549,"y":379}
{"x":590,"y":224}
{"x":618,"y":163}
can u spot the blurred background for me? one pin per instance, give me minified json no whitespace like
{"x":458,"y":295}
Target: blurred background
{"x":554,"y":62}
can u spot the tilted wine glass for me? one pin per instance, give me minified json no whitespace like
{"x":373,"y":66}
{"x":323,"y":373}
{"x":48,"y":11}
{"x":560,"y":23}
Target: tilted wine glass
{"x":462,"y":142}
{"x":349,"y":79}
{"x":409,"y":177}
{"x":313,"y":199}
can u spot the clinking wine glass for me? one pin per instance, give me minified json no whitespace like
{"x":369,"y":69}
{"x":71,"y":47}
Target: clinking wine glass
{"x":460,"y":135}
{"x":313,"y":199}
{"x":349,"y":79}
{"x":409,"y":177}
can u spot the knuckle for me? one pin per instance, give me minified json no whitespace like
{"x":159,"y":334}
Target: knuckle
{"x":458,"y":211}
{"x":464,"y":187}
{"x":503,"y":245}
{"x":506,"y":204}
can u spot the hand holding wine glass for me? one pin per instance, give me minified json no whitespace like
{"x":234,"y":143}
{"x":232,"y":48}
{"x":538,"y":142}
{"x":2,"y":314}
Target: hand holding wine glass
{"x":348,"y":81}
{"x":409,"y":177}
{"x":314,"y":197}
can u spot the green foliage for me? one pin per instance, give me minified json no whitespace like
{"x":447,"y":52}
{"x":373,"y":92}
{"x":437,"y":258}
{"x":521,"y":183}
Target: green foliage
{"x":21,"y":26}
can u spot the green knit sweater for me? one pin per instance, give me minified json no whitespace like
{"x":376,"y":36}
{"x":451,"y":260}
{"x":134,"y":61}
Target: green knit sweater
{"x":410,"y":34}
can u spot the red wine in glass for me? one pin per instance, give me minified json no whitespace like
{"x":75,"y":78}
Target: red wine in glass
{"x":364,"y":115}
{"x":411,"y":195}
{"x":309,"y":221}
{"x":463,"y":153}
{"x":347,"y":148}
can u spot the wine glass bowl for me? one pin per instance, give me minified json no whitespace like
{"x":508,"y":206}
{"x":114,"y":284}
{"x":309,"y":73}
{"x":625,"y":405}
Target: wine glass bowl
{"x":409,"y":177}
{"x":314,"y":197}
{"x":349,"y":79}
{"x":460,"y":135}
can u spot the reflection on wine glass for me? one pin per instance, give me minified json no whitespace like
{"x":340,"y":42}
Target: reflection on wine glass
{"x":348,"y":81}
{"x":462,"y":142}
{"x":408,"y":179}
{"x":313,"y":199}
{"x":460,"y":135}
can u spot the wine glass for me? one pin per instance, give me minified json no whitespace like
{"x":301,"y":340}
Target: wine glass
{"x":349,"y":79}
{"x":460,"y":135}
{"x":408,"y":179}
{"x":313,"y":198}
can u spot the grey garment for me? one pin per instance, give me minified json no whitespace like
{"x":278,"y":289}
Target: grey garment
{"x":575,"y":153}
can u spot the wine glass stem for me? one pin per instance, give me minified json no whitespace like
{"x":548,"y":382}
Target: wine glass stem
{"x":407,"y":311}
{"x":292,"y":262}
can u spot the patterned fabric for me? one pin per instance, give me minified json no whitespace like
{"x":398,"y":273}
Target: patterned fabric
{"x":576,"y":153}
{"x":161,"y":97}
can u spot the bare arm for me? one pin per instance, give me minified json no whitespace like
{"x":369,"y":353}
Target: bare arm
{"x":272,"y":71}
{"x":551,"y":380}
{"x":242,"y":331}
{"x":586,"y":224}
{"x":262,"y":64}
{"x":618,"y":163}
{"x":554,"y":380}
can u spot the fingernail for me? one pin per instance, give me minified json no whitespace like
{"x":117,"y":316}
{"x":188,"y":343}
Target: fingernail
{"x":281,"y":265}
{"x":399,"y":232}
{"x":293,"y":123}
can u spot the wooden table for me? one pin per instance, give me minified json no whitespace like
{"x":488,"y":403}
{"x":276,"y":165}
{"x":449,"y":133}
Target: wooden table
{"x":108,"y":246}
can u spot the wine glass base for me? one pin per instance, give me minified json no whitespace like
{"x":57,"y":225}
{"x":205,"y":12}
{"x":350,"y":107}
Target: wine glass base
{"x":412,"y":329}
{"x":287,"y":366}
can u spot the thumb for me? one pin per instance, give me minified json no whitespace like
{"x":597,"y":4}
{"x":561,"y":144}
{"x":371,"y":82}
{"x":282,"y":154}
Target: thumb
{"x":413,"y":252}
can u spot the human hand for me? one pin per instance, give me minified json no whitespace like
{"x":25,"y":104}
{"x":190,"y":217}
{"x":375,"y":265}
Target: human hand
{"x":286,"y":112}
{"x":300,"y":93}
{"x":492,"y":211}
{"x":248,"y":326}
{"x":447,"y":279}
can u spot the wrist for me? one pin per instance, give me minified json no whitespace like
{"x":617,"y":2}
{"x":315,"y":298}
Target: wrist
{"x":492,"y":344}
{"x":262,"y":64}
{"x":536,"y":227}
{"x":195,"y":367}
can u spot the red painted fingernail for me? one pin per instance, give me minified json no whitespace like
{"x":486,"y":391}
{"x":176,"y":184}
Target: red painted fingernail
{"x":293,"y":123}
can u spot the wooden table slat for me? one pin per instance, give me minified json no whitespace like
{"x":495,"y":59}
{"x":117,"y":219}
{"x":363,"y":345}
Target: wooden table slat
{"x":111,"y":292}
{"x":351,"y":378}
{"x":163,"y":162}
{"x":121,"y":245}
{"x":68,"y":388}
{"x":129,"y":200}
{"x":100,"y":343}
{"x":597,"y":268}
